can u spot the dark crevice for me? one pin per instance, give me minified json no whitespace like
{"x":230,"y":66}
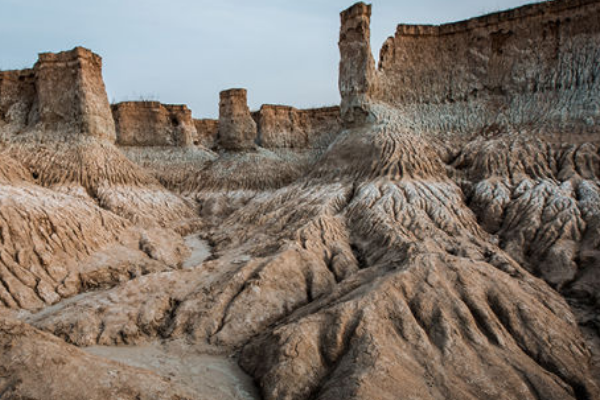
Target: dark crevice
{"x":169,"y":318}
{"x":580,"y":390}
{"x":360,"y":256}
{"x":482,"y":322}
{"x":332,"y":365}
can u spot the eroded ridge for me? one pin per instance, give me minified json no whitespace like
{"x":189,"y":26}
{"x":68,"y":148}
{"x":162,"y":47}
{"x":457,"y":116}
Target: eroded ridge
{"x":437,"y":236}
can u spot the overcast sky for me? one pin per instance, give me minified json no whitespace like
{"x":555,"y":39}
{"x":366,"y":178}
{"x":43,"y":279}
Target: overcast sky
{"x":186,"y":51}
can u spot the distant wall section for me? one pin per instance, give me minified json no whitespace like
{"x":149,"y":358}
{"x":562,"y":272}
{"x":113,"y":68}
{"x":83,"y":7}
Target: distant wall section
{"x":206,"y":132}
{"x":17,"y":97}
{"x":289,"y":127}
{"x":150,"y":123}
{"x":534,"y":67}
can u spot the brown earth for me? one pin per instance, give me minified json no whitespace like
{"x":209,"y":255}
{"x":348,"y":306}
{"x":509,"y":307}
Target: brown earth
{"x":404,"y":246}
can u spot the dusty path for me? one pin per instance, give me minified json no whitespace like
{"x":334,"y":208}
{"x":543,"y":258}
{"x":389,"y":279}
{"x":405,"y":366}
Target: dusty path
{"x":210,"y":376}
{"x":200,"y":251}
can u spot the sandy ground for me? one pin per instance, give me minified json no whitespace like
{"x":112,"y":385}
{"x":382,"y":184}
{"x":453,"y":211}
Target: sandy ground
{"x":211,"y":376}
{"x":200,"y":251}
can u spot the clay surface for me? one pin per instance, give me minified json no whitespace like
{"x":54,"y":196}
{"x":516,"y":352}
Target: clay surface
{"x":437,"y":236}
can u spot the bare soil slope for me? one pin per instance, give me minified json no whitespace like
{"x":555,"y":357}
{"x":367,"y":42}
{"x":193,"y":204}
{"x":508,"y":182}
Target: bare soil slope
{"x":432,"y":249}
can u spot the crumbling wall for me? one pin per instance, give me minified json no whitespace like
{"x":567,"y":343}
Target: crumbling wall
{"x":237,"y":129}
{"x":288,"y":127}
{"x":17,"y":96}
{"x":207,"y":131}
{"x":357,"y":76}
{"x":63,"y":94}
{"x":537,"y":66}
{"x":150,"y":123}
{"x":71,"y":94}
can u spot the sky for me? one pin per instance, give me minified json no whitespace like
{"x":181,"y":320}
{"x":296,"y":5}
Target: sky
{"x":187,"y":51}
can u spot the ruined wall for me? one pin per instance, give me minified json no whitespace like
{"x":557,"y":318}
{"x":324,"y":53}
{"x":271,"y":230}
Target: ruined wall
{"x":237,"y":129}
{"x":357,"y":77}
{"x":17,"y":96}
{"x":150,"y":123}
{"x":71,"y":94}
{"x":537,"y":66}
{"x":288,"y":127}
{"x":63,"y":94}
{"x":207,"y":131}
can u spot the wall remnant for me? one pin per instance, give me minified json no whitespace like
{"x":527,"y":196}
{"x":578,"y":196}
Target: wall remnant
{"x":71,"y":94}
{"x":534,"y":67}
{"x":17,"y":96}
{"x":288,"y":127}
{"x":64,"y":93}
{"x":207,"y":131}
{"x":150,"y":123}
{"x":357,"y":75}
{"x":237,"y":129}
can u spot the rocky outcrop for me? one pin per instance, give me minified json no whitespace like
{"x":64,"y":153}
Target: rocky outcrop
{"x":533,"y":68}
{"x":71,"y":94}
{"x":207,"y":131}
{"x":67,"y":141}
{"x":64,"y":94}
{"x":286,"y":143}
{"x":288,"y":127}
{"x":417,"y":252}
{"x":17,"y":97}
{"x":237,"y":129}
{"x":365,"y":279}
{"x":357,"y":78}
{"x":150,"y":123}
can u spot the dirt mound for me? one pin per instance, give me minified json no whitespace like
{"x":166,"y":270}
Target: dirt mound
{"x":55,"y":245}
{"x":360,"y":286}
{"x":29,"y":370}
{"x":444,"y":244}
{"x":96,"y":170}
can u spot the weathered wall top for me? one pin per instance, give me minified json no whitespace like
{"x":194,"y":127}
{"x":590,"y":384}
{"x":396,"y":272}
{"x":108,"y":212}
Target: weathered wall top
{"x":63,"y":94}
{"x":237,"y":129}
{"x":547,"y":9}
{"x":150,"y":123}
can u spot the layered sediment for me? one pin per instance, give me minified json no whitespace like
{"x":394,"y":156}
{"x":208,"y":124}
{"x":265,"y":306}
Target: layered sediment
{"x":237,"y":129}
{"x":483,"y":75}
{"x":288,"y":127}
{"x":67,"y":138}
{"x":150,"y":123}
{"x":437,"y":236}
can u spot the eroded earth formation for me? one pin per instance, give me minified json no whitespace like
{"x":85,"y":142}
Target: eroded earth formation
{"x":437,"y":236}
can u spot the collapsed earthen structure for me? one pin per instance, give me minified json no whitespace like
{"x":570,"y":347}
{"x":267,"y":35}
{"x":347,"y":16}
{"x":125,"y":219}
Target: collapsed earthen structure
{"x":525,"y":69}
{"x":288,"y":127}
{"x":64,"y":93}
{"x":437,"y":236}
{"x":150,"y":123}
{"x":237,"y":129}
